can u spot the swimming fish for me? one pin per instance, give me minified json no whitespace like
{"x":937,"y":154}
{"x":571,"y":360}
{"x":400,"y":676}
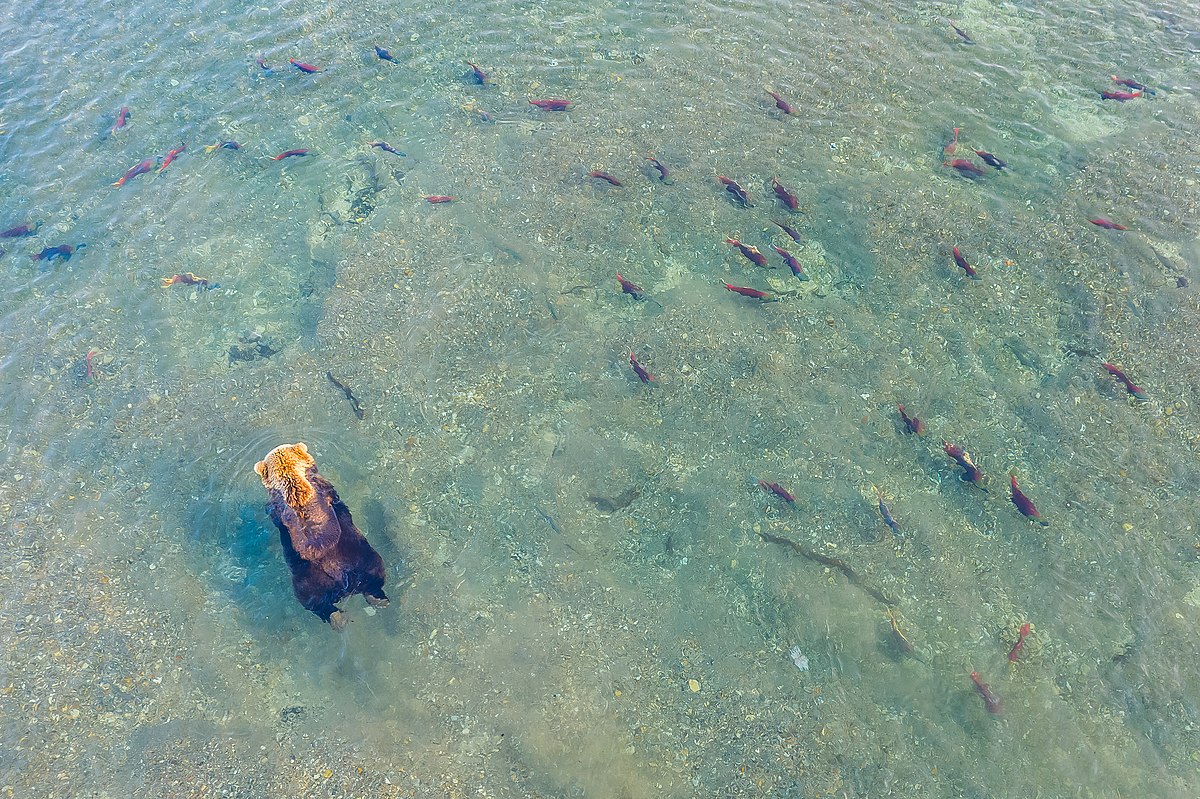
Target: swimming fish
{"x":782,"y":104}
{"x":387,"y":148}
{"x":61,"y":251}
{"x":478,"y":75}
{"x":785,"y":196}
{"x":750,"y":251}
{"x":641,"y":371}
{"x":171,"y":156}
{"x":138,"y":169}
{"x":21,"y":230}
{"x":663,"y":172}
{"x":607,"y":178}
{"x":122,"y":119}
{"x":307,"y":69}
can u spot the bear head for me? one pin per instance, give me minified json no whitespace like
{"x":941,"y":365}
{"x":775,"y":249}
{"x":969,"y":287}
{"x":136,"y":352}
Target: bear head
{"x":284,"y":470}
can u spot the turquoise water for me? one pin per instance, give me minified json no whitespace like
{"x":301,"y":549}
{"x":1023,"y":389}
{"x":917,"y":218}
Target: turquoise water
{"x":541,"y":643}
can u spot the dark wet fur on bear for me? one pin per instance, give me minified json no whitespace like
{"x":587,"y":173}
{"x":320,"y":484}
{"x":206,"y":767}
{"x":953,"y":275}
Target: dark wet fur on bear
{"x":338,"y":560}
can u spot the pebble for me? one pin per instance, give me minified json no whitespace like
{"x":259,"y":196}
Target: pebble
{"x":694,"y":686}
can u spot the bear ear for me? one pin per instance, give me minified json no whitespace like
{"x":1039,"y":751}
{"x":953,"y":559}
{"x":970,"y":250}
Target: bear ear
{"x":300,"y":445}
{"x":261,"y":468}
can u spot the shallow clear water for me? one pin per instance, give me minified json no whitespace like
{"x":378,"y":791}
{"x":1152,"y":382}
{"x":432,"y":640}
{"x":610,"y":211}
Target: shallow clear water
{"x":541,"y":640}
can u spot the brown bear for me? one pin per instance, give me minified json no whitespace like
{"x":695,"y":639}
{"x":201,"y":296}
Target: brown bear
{"x":329,"y":558}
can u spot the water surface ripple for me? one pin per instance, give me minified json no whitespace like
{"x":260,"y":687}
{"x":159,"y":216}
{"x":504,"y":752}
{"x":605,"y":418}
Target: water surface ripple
{"x":593,"y":594}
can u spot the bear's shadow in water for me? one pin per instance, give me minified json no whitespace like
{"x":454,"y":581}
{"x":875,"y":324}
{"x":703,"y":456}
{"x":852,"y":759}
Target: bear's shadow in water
{"x":245,"y":567}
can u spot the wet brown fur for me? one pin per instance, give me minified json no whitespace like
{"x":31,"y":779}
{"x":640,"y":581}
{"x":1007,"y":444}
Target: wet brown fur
{"x":329,"y":557}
